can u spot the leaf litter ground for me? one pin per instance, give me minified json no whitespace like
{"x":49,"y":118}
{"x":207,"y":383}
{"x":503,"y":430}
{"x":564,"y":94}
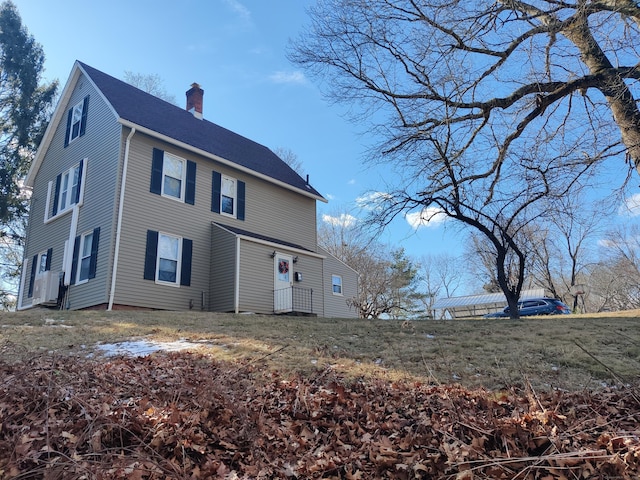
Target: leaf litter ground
{"x":187,"y":416}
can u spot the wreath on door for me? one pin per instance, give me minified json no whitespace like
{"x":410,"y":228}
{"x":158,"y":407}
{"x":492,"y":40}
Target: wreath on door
{"x":283,"y":266}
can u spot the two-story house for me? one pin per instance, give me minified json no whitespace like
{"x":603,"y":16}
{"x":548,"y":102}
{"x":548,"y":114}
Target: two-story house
{"x":138,"y":203}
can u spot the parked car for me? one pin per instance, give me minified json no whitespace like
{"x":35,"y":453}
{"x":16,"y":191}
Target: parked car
{"x":535,"y":306}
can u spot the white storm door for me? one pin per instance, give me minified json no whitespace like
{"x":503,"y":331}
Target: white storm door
{"x":283,"y":281}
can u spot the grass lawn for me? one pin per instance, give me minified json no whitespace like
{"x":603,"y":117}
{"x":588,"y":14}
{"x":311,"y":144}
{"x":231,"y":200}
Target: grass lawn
{"x":565,"y":352}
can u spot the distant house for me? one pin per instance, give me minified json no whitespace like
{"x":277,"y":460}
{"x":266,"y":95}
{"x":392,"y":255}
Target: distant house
{"x":137,"y":203}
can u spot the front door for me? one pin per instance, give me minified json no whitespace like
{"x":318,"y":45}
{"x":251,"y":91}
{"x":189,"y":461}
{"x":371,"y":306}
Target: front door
{"x":283,"y":282}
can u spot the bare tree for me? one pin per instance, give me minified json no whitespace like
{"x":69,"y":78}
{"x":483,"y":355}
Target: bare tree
{"x":561,"y":255}
{"x":388,"y":278}
{"x":151,"y":83}
{"x":487,"y":108}
{"x":440,"y":276}
{"x":290,"y":158}
{"x":615,"y":281}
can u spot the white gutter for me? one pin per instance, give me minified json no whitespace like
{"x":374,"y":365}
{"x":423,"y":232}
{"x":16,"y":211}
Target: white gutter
{"x":116,"y":253}
{"x":236,"y":299}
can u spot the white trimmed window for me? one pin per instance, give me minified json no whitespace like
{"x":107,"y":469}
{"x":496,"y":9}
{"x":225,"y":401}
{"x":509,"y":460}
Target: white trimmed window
{"x":76,"y":121}
{"x":336,"y":284}
{"x":84,"y":260}
{"x":228,"y":196}
{"x":173,"y":176}
{"x":65,"y":192}
{"x":168,"y":264}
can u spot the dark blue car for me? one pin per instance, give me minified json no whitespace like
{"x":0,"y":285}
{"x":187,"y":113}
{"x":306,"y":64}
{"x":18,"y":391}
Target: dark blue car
{"x":535,"y":306}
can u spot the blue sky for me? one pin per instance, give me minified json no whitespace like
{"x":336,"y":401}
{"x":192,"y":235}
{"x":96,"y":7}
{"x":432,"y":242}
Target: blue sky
{"x":236,"y":51}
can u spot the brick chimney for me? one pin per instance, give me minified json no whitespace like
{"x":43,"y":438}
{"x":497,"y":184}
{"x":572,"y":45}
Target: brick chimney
{"x":194,"y":100}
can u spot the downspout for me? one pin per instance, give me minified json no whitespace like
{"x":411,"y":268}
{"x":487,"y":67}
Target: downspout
{"x":237,"y":279}
{"x":116,"y":252}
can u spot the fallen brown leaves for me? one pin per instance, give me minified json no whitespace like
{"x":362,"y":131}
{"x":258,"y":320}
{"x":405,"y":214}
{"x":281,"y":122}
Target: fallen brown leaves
{"x":185,"y":416}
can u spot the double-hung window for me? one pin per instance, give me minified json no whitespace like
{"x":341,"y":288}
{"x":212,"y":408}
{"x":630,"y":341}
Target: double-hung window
{"x":168,"y":259}
{"x":84,"y":261}
{"x":85,"y":256}
{"x":39,"y":264}
{"x":67,"y":190}
{"x":76,"y":121}
{"x":69,"y":185}
{"x":228,"y":196}
{"x":173,"y":173}
{"x":173,"y":177}
{"x":336,"y":284}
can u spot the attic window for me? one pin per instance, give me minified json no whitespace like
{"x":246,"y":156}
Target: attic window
{"x":76,"y":121}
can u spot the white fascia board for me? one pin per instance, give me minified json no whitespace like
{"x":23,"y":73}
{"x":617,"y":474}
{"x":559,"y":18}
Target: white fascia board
{"x":218,"y":159}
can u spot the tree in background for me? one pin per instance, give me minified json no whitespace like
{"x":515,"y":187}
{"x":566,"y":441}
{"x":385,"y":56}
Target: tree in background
{"x":439,"y":276}
{"x":290,"y":158}
{"x":614,"y":283}
{"x":560,"y":249}
{"x":388,"y":282}
{"x":25,"y":109}
{"x":151,"y":83}
{"x":490,"y":110}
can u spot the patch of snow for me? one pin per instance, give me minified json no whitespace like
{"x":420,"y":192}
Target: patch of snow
{"x":141,"y":348}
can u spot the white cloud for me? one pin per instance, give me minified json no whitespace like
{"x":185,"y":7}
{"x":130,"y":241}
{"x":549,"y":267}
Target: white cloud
{"x":342,"y":220}
{"x":243,"y":12}
{"x":288,"y":77}
{"x":631,"y":206}
{"x":372,"y":201}
{"x":330,"y":196}
{"x":427,"y":217}
{"x":351,"y":182}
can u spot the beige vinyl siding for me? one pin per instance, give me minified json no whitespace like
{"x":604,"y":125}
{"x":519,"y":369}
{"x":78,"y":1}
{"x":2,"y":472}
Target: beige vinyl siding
{"x":270,"y":210}
{"x":311,"y":269}
{"x":279,"y":213}
{"x":100,"y":146}
{"x":144,"y":211}
{"x":336,"y":305}
{"x":223,"y":270}
{"x":256,"y":278}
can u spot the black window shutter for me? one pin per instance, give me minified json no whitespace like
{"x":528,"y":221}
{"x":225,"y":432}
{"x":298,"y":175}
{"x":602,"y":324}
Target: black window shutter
{"x":32,"y":277}
{"x":80,"y":168}
{"x":68,"y":131}
{"x":56,"y":194}
{"x":156,"y":171}
{"x":187,"y":253}
{"x":241,"y":193}
{"x":74,"y":260}
{"x":85,"y":110}
{"x":190,"y":187}
{"x":47,"y":266}
{"x":150,"y":256}
{"x":215,"y":192}
{"x":93,"y":262}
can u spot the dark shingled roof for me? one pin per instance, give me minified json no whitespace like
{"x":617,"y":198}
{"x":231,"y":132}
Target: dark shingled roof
{"x":145,"y":110}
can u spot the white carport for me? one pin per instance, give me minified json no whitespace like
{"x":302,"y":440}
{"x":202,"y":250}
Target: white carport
{"x":476,"y":305}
